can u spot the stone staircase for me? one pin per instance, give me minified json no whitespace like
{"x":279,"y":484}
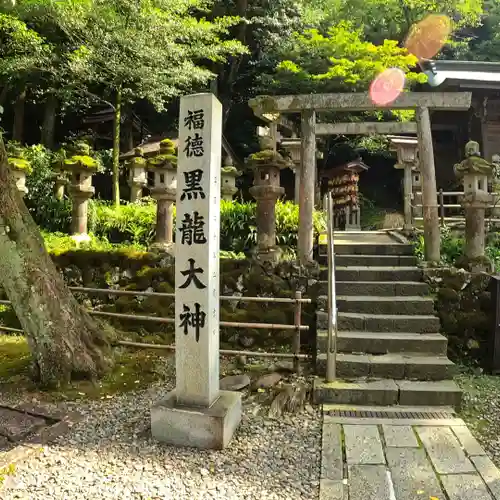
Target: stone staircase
{"x":390,"y":350}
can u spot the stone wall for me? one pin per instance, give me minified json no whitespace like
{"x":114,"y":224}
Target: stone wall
{"x":155,"y":273}
{"x":463,"y":303}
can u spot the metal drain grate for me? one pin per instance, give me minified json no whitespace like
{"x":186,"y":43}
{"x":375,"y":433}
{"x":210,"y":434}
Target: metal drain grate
{"x":420,"y":415}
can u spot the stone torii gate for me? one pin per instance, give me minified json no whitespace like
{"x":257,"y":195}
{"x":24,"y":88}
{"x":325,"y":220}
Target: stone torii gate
{"x":270,"y":109}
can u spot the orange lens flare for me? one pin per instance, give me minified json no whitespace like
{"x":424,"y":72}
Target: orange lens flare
{"x":387,"y":86}
{"x":427,"y":37}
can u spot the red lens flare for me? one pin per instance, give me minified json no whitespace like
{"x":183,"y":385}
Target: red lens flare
{"x":427,"y":37}
{"x":387,"y":86}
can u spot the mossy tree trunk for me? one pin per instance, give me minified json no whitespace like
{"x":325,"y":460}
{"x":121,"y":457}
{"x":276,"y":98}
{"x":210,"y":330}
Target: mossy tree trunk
{"x":116,"y":147}
{"x":49,"y":121}
{"x":65,"y":342}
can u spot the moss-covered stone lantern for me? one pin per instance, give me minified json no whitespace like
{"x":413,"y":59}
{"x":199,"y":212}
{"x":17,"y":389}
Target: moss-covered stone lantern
{"x":59,"y":175}
{"x":407,"y":154}
{"x":137,"y":175}
{"x":266,"y":190}
{"x":80,"y":167}
{"x":20,"y":168}
{"x":229,"y":173}
{"x":475,"y":173}
{"x":163,"y":166}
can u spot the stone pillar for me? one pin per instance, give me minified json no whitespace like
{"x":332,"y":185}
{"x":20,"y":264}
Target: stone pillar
{"x":416,"y":182}
{"x":407,"y":151}
{"x":137,"y":179}
{"x":432,"y":234}
{"x":296,"y":171}
{"x":353,"y":218}
{"x":307,"y":187}
{"x":164,"y":169}
{"x":19,"y":167}
{"x":60,"y":184}
{"x":81,"y":167}
{"x":197,"y":413}
{"x":228,"y":179}
{"x":266,"y":191}
{"x":475,"y":172}
{"x":80,"y":212}
{"x":164,"y":218}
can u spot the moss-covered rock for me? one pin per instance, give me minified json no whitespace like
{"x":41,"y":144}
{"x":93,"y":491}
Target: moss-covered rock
{"x":463,"y":303}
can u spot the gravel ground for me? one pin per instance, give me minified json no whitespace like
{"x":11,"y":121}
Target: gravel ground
{"x":481,"y":411}
{"x":109,"y":455}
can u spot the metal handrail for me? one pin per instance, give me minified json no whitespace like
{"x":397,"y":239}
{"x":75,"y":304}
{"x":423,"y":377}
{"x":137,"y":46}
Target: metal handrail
{"x":331,"y":353}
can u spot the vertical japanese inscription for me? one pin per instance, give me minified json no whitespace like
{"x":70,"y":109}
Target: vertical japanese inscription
{"x":192,"y":227}
{"x":197,"y":236}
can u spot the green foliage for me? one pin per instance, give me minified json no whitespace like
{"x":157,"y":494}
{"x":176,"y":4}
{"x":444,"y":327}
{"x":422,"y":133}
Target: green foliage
{"x":59,"y":243}
{"x":138,"y":49}
{"x":341,"y":60}
{"x":134,"y":223}
{"x":453,"y":248}
{"x":382,"y":19}
{"x":22,"y":50}
{"x":131,"y":222}
{"x":48,"y":212}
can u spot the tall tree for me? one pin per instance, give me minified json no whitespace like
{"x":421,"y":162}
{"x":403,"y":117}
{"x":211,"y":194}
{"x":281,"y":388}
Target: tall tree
{"x":65,"y":342}
{"x":23,"y":53}
{"x":152,"y":50}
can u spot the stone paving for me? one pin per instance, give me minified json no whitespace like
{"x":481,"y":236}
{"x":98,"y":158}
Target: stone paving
{"x":404,"y":459}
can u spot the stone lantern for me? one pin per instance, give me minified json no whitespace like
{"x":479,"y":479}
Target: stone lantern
{"x":293,"y":149}
{"x":475,"y":173}
{"x":228,"y":179}
{"x":20,"y":168}
{"x":59,"y":175}
{"x":137,"y":179}
{"x":163,"y":166}
{"x":266,"y":190}
{"x":80,"y":167}
{"x":407,"y":152}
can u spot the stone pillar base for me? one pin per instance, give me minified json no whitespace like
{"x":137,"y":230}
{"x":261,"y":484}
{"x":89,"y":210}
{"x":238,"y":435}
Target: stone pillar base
{"x":81,"y":237}
{"x":163,"y":247}
{"x":272,"y":254}
{"x":195,"y":427}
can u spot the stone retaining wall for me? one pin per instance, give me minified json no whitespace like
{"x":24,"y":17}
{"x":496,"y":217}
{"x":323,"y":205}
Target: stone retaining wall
{"x":463,"y":303}
{"x":155,"y":273}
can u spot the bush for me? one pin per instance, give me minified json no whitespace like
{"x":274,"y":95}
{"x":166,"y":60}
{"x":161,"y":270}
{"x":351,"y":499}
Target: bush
{"x":453,"y":247}
{"x":48,"y":212}
{"x":135,"y":223}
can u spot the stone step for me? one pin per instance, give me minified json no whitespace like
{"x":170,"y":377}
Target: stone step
{"x":399,"y":323}
{"x":378,"y":288}
{"x":375,"y":260}
{"x":410,"y":366}
{"x":385,"y":305}
{"x":373,"y":249}
{"x":374,"y":273}
{"x":385,"y":343}
{"x":387,"y":392}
